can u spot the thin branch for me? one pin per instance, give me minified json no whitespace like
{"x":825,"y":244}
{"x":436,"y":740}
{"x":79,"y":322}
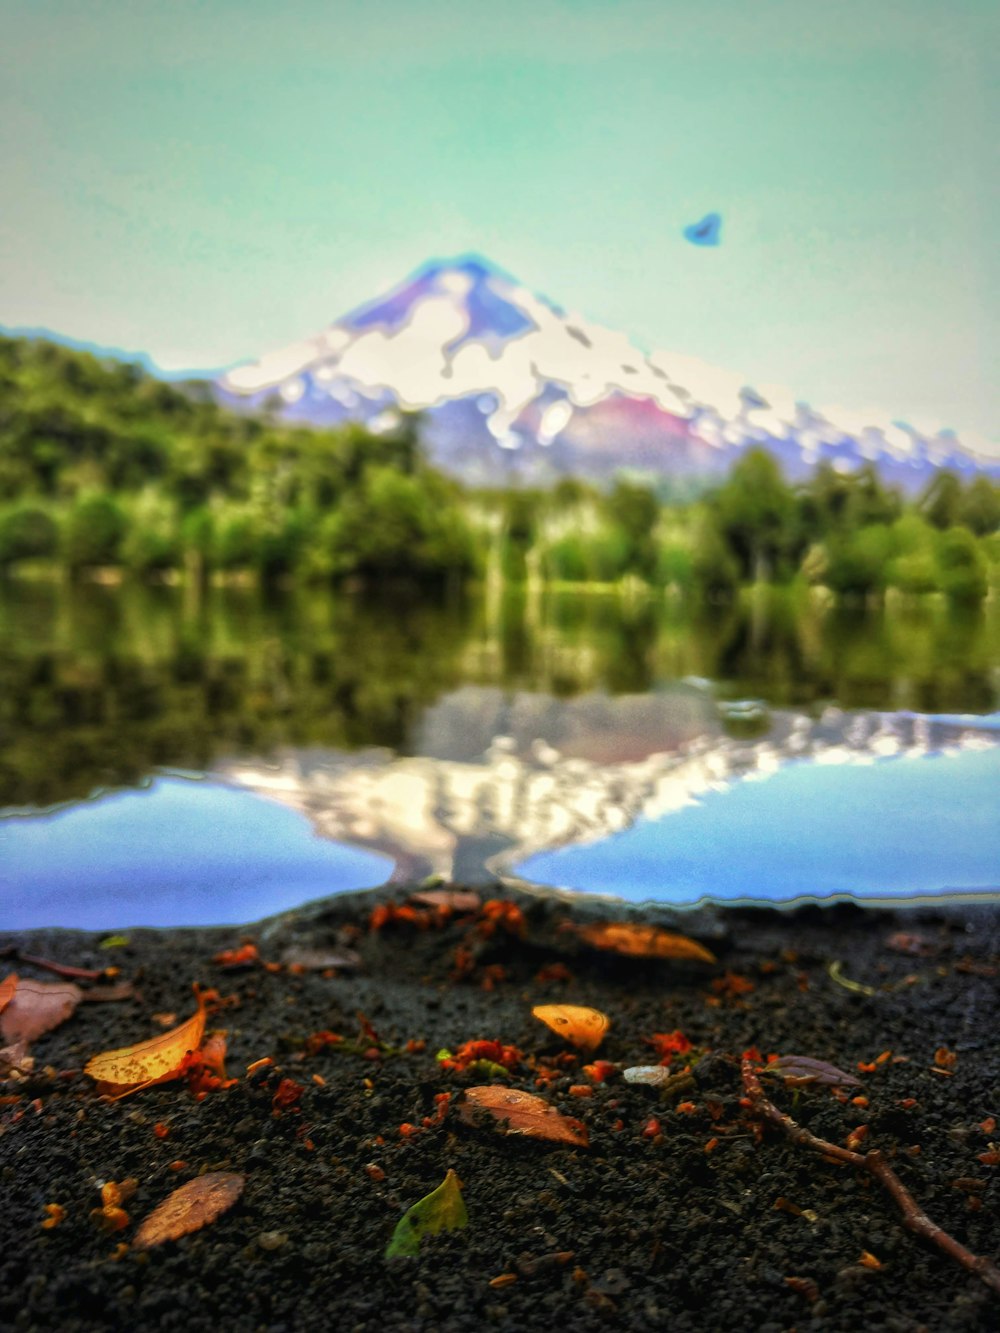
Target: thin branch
{"x":914,"y":1217}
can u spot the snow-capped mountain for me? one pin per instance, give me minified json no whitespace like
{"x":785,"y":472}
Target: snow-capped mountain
{"x":511,"y":384}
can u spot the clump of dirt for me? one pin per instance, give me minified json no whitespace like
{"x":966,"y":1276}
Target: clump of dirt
{"x":684,"y":1211}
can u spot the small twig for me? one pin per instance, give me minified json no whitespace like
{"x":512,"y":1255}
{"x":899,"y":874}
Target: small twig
{"x":60,"y":969}
{"x":914,"y":1217}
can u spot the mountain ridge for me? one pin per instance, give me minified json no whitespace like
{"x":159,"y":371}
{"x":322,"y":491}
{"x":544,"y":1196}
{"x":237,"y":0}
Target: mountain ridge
{"x":510,"y":384}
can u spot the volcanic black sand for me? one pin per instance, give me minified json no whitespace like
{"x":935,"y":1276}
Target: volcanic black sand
{"x":704,"y":1221}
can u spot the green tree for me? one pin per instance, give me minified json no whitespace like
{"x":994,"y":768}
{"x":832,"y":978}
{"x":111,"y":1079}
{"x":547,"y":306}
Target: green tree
{"x":93,"y":532}
{"x":963,"y":575}
{"x":941,"y":500}
{"x":756,"y":515}
{"x":634,"y":511}
{"x":979,"y":509}
{"x":27,"y":533}
{"x":858,"y":563}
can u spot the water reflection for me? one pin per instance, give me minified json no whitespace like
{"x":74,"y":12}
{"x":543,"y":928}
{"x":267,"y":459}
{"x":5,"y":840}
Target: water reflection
{"x":502,"y":778}
{"x":469,"y":738}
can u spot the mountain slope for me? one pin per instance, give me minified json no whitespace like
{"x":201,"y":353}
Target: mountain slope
{"x":510,"y":383}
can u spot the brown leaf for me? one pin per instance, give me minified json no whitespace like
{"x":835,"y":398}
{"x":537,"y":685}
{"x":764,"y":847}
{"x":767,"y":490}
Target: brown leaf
{"x":459,"y":900}
{"x":799,"y":1069}
{"x":636,"y":941}
{"x":16,"y":1058}
{"x":190,"y":1208}
{"x":154,"y":1061}
{"x":318,"y":960}
{"x":37,"y":1007}
{"x":7,"y":988}
{"x":523,"y":1113}
{"x":576,"y":1023}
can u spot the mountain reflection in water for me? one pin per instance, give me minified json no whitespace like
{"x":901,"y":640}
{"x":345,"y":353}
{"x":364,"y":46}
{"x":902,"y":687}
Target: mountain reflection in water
{"x":498,"y":778}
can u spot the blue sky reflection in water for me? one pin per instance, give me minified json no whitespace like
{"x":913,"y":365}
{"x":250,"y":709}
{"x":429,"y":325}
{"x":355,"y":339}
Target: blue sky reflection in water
{"x":180,"y":852}
{"x":890,"y":827}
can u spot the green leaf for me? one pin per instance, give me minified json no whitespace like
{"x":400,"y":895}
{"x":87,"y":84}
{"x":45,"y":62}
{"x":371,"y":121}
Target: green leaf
{"x":441,"y":1210}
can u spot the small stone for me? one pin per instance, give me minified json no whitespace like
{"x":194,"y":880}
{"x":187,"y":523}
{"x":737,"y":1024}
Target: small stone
{"x":272,"y":1240}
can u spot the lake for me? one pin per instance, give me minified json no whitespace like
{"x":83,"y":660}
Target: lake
{"x":168,"y":758}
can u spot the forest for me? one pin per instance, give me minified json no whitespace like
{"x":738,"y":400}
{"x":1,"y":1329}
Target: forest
{"x":107,"y":471}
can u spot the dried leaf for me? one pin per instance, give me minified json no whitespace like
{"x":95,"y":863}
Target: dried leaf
{"x":576,"y":1023}
{"x":799,"y":1069}
{"x":7,"y":988}
{"x":154,"y":1061}
{"x":15,"y":1059}
{"x":318,"y":960}
{"x":37,"y":1007}
{"x":636,"y":941}
{"x":441,"y":1210}
{"x":190,"y":1208}
{"x":458,"y":900}
{"x":523,"y":1113}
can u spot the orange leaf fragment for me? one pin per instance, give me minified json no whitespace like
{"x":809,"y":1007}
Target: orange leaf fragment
{"x":523,"y":1113}
{"x":190,"y":1207}
{"x":36,"y":1007}
{"x":580,"y":1025}
{"x":56,"y":1213}
{"x":244,"y":956}
{"x":7,"y":988}
{"x":599,"y":1070}
{"x":157,"y":1060}
{"x":637,"y":941}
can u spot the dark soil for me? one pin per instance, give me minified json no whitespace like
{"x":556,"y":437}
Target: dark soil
{"x":700,"y":1226}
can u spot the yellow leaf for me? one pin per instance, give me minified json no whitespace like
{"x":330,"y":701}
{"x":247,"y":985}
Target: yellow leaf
{"x":637,"y":941}
{"x":576,"y":1023}
{"x":157,"y":1060}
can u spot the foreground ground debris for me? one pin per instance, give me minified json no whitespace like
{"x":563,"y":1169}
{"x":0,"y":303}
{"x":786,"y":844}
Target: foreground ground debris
{"x":569,"y":1104}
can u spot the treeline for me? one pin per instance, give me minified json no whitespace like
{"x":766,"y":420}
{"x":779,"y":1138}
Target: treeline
{"x":846,"y":532}
{"x":103,"y":465}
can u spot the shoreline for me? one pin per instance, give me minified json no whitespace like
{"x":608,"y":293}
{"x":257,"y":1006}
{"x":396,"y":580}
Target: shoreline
{"x":701,"y":1222}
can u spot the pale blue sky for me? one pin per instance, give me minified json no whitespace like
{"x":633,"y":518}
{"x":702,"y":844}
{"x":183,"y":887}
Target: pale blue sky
{"x":204,"y":181}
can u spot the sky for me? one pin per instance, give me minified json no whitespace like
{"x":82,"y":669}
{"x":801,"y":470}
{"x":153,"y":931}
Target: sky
{"x":205,"y":180}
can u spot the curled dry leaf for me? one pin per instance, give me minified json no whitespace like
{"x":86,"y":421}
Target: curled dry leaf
{"x":523,"y":1113}
{"x":801,"y":1069}
{"x":190,"y":1207}
{"x":157,"y":1060}
{"x":441,"y":1210}
{"x":576,"y":1023}
{"x":637,"y":941}
{"x":37,"y":1007}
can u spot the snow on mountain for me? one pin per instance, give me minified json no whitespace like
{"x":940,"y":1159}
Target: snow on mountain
{"x":511,"y":384}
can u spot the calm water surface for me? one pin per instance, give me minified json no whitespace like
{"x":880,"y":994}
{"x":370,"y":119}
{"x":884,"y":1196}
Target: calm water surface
{"x":171,"y":760}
